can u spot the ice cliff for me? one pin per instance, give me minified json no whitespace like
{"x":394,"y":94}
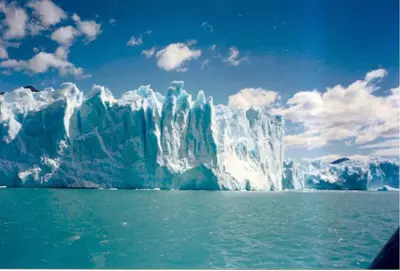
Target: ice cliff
{"x":369,"y":174}
{"x":62,"y":138}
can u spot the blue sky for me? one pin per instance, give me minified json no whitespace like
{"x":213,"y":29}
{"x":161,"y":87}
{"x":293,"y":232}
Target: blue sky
{"x":270,"y":50}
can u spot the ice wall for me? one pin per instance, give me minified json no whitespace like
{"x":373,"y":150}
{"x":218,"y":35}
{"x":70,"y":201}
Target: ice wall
{"x":142,"y":140}
{"x":371,"y":174}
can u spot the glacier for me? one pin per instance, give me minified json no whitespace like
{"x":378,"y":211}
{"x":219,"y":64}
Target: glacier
{"x":143,"y":140}
{"x":367,"y":174}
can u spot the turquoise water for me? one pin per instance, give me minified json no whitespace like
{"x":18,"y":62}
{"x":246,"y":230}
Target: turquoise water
{"x":61,"y":228}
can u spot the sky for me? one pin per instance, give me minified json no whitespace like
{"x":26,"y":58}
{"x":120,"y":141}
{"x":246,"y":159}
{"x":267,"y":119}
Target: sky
{"x":331,"y":68}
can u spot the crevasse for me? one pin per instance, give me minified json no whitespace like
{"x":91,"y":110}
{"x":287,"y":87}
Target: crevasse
{"x":141,"y":140}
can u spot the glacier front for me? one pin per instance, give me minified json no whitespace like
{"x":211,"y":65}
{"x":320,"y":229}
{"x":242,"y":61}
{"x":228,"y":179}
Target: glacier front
{"x":364,"y":174}
{"x":62,"y":138}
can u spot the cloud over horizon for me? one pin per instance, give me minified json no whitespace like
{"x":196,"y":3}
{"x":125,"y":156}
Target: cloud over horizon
{"x":342,"y":113}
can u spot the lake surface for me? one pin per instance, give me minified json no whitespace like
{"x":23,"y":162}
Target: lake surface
{"x":71,"y":228}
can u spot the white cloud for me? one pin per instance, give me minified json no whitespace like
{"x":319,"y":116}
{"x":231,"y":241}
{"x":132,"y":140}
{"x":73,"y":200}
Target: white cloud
{"x":135,"y":41}
{"x":3,"y":52}
{"x":388,"y":147}
{"x":191,"y":42}
{"x":343,"y":113}
{"x":305,"y":141}
{"x":327,"y":158}
{"x":44,"y":15}
{"x":207,"y":26}
{"x":233,"y":57}
{"x":15,"y":20}
{"x":90,"y":29}
{"x":175,"y":55}
{"x":48,"y":12}
{"x":204,"y":63}
{"x":379,"y":73}
{"x":13,"y":64}
{"x":149,"y":52}
{"x":112,"y":21}
{"x":62,"y":52}
{"x":249,"y":97}
{"x":41,"y":63}
{"x":35,"y":27}
{"x":386,"y":152}
{"x":391,"y":143}
{"x":65,"y":35}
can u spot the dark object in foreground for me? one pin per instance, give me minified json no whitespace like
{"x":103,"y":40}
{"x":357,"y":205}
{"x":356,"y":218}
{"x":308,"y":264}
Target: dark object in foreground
{"x":388,"y":257}
{"x":32,"y":89}
{"x":340,"y":160}
{"x":2,"y":92}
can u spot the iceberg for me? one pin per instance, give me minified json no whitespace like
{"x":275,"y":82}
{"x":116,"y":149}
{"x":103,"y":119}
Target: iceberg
{"x":370,"y":174}
{"x":143,"y":140}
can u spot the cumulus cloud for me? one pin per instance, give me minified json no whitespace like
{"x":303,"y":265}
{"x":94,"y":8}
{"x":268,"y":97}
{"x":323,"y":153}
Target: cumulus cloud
{"x":233,"y":57}
{"x":41,"y":63}
{"x":90,"y":29}
{"x":13,"y":64}
{"x":208,"y":27}
{"x":65,"y":35}
{"x":44,"y":14}
{"x":49,"y":13}
{"x":15,"y":21}
{"x":175,"y":55}
{"x":342,"y":113}
{"x":252,"y":97}
{"x":149,"y":52}
{"x":375,"y":74}
{"x":135,"y":41}
{"x":62,"y":52}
